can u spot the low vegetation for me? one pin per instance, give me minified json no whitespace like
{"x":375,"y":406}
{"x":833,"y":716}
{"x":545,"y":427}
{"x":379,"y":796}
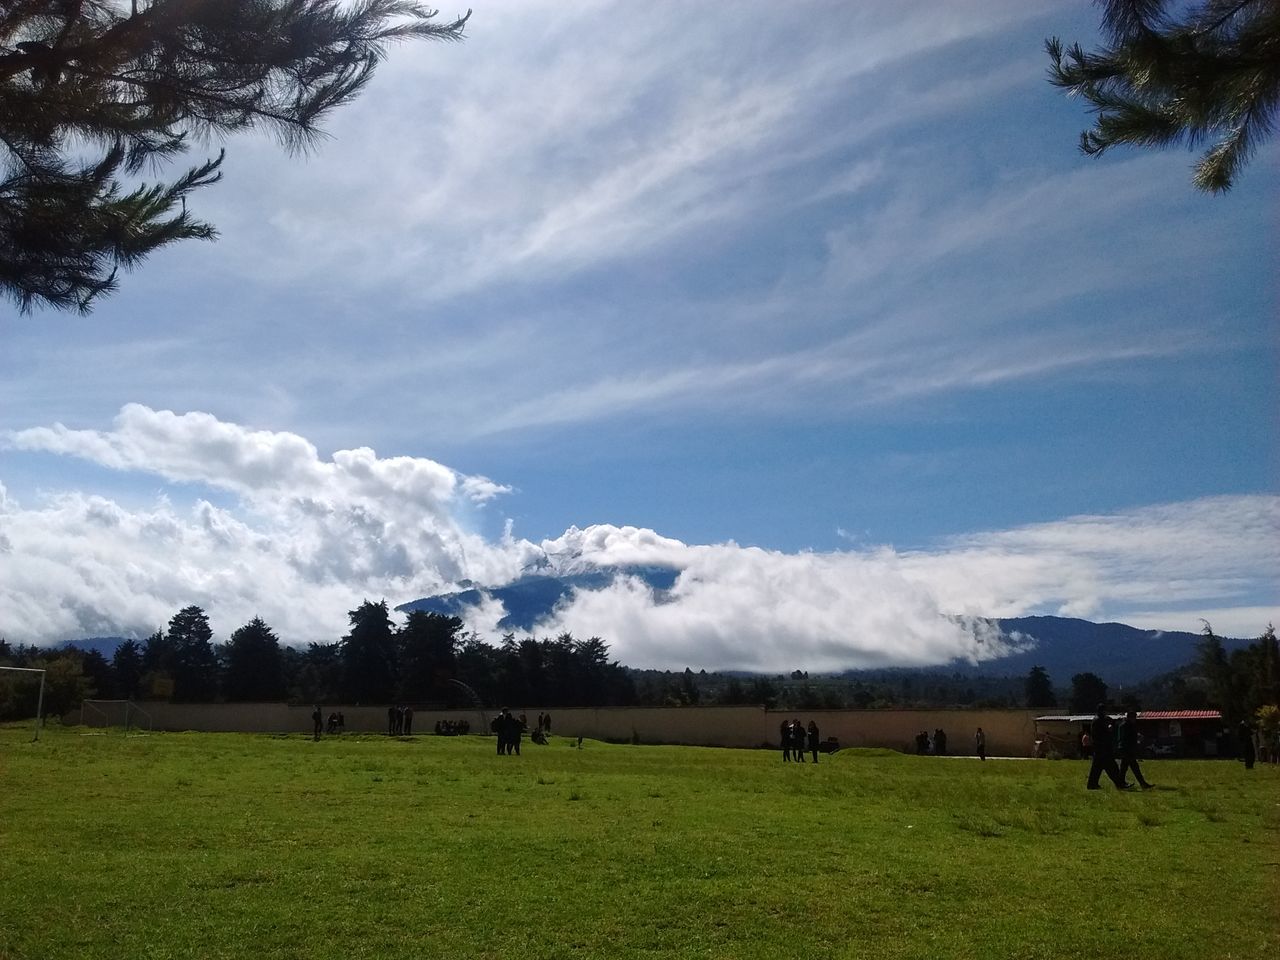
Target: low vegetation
{"x":213,"y":845}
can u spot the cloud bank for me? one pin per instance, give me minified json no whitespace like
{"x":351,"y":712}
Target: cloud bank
{"x":259,"y":523}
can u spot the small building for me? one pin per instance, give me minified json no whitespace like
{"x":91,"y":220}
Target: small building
{"x":1164,"y":733}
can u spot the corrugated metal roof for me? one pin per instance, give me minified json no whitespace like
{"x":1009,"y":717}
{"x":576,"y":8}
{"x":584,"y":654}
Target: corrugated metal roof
{"x":1142,"y":715}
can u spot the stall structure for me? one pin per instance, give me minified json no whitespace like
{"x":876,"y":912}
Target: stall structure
{"x":1163,"y":733}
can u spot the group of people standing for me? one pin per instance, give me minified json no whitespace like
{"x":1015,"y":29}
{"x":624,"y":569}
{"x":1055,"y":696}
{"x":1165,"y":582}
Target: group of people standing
{"x":509,"y":730}
{"x":399,"y":721}
{"x":935,"y":743}
{"x":796,"y":737}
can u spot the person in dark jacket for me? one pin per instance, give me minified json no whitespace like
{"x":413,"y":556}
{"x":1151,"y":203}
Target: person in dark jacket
{"x":499,"y":726}
{"x":1104,"y":759}
{"x":317,"y":722}
{"x":1247,"y":751}
{"x":813,"y":739}
{"x":784,"y":734}
{"x":515,"y":728}
{"x":1127,"y":736}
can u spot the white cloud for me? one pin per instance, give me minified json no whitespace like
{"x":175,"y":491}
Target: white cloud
{"x":306,"y":538}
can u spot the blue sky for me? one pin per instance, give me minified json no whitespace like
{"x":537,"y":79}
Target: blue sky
{"x":808,"y":283}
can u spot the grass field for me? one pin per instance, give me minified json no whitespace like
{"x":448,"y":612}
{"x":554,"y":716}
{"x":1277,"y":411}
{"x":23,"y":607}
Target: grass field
{"x":213,"y":845}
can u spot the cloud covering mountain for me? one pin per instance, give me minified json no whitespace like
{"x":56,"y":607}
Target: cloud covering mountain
{"x":250,"y":522}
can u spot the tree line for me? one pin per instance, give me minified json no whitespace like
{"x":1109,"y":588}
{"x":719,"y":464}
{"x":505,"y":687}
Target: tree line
{"x":431,"y":660}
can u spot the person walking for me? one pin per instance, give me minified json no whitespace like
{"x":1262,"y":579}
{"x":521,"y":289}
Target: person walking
{"x":1104,"y":760}
{"x":813,"y":739}
{"x":980,"y":744}
{"x":317,"y":719}
{"x":408,"y":720}
{"x":1247,"y":751}
{"x":784,"y":734}
{"x":1127,"y":735}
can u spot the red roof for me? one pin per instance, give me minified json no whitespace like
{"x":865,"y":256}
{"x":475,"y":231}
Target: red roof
{"x":1142,"y":715}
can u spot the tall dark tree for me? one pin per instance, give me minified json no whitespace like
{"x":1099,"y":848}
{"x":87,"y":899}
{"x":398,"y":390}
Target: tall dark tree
{"x":1087,"y":691}
{"x":314,"y":675}
{"x":369,"y":654}
{"x":157,"y":667}
{"x":1039,"y":690}
{"x":127,"y":665}
{"x":428,"y":656}
{"x":254,"y":667}
{"x":1214,"y":667}
{"x":763,"y":691}
{"x":478,"y":667}
{"x":195,"y":668}
{"x":97,"y":670}
{"x":92,"y":93}
{"x":1175,"y":72}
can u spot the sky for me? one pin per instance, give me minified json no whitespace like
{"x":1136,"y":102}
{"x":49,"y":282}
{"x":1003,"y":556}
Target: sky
{"x":817,"y":303}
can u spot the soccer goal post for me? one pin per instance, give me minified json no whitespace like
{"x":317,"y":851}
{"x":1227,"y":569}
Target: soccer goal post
{"x":114,"y":713}
{"x":39,"y":697}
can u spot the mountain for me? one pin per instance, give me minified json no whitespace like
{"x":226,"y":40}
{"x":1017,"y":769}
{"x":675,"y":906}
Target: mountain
{"x":104,"y":645}
{"x":1118,"y":653}
{"x":532,"y":597}
{"x":1064,"y":646}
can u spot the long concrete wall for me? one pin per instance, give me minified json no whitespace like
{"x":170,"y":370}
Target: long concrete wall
{"x":1009,"y":733}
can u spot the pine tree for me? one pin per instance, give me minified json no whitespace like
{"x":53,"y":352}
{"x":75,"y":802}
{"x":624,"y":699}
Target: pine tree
{"x":1039,"y":690}
{"x":255,"y":668}
{"x":127,"y":665}
{"x":369,"y":654}
{"x":428,"y":655}
{"x":195,"y":668}
{"x":1172,"y":73}
{"x":1087,"y":691}
{"x":93,"y":93}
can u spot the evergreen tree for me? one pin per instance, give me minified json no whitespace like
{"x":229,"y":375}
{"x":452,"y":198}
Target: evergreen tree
{"x":763,"y":691}
{"x":65,"y":684}
{"x":254,"y":667}
{"x":1087,"y":691}
{"x":1213,"y":664}
{"x":428,"y":655}
{"x":1039,"y":690}
{"x":314,"y":675}
{"x":127,"y":665}
{"x":195,"y":668}
{"x":93,"y":92}
{"x":97,"y":670}
{"x":1179,"y":72}
{"x":369,"y":654}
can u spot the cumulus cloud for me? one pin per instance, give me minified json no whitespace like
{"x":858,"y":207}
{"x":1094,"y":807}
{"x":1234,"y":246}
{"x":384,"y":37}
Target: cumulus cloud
{"x":305,"y":538}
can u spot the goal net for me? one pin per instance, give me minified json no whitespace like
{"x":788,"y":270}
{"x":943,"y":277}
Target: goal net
{"x":114,"y":713}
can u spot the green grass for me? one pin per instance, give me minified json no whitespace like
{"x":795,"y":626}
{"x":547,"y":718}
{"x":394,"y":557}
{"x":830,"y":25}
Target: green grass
{"x":212,"y":845}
